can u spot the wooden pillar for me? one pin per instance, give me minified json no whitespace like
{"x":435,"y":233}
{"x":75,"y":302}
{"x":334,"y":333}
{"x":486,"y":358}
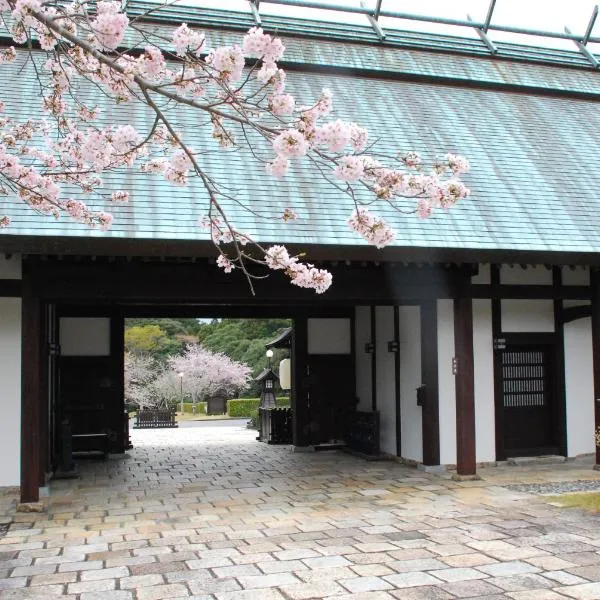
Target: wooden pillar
{"x":373,"y":359}
{"x":117,"y":352}
{"x":465,"y":387}
{"x":397,"y":366}
{"x":595,"y":282}
{"x":429,"y":377}
{"x":299,"y":382}
{"x":44,"y":468}
{"x":31,"y":391}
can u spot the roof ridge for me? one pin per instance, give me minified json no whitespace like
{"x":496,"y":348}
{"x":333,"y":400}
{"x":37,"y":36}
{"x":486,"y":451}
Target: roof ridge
{"x":215,"y":18}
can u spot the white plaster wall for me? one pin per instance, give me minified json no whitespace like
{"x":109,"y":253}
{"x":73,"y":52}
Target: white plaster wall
{"x":410,"y":379}
{"x":579,"y":380}
{"x":10,"y":268}
{"x":517,"y":275}
{"x":10,"y":391}
{"x":527,"y":316}
{"x":483,"y":277}
{"x":84,"y":336}
{"x":446,"y":382}
{"x":362,"y":331}
{"x":386,"y":396}
{"x":329,"y":336}
{"x":483,"y":350}
{"x":576,"y":276}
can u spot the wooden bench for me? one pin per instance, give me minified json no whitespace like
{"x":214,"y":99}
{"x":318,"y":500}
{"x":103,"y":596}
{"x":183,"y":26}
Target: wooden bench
{"x":90,"y":443}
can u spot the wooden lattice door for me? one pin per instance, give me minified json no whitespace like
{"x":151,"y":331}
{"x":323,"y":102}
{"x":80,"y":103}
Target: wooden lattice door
{"x":527,"y":394}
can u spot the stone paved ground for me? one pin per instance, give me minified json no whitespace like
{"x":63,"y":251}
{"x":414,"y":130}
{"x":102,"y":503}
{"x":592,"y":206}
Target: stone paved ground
{"x":208,"y":513}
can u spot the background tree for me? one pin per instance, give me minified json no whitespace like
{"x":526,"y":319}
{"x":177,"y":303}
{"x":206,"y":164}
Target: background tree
{"x":151,"y":340}
{"x":140,"y":373}
{"x":206,"y":373}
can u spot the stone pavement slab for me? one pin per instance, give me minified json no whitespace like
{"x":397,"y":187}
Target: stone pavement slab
{"x":211,"y":514}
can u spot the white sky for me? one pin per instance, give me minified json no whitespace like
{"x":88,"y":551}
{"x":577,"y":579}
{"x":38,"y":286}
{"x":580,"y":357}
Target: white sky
{"x":548,"y":15}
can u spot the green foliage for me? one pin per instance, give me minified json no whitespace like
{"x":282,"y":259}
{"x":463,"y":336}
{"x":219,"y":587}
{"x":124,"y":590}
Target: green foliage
{"x":188,"y":408}
{"x":151,"y":340}
{"x":245,"y":407}
{"x":244,"y":340}
{"x":242,"y":407}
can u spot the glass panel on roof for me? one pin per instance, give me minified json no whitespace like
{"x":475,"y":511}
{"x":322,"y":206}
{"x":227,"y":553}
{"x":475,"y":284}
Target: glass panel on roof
{"x":539,"y":15}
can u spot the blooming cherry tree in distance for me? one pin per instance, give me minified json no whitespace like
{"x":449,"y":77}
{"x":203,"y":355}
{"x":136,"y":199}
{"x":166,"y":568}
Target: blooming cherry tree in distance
{"x":205,"y":373}
{"x":239,"y":90}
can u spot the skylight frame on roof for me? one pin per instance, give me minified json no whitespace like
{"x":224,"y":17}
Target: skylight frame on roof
{"x":480,"y":27}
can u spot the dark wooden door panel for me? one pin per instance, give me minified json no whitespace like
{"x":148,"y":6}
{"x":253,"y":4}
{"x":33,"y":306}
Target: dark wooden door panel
{"x":527,"y":389}
{"x":332,"y":395}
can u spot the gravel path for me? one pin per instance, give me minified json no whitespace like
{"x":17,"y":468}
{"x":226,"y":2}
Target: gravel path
{"x":562,"y":487}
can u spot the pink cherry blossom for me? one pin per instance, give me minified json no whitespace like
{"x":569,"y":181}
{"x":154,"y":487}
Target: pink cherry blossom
{"x":225,"y":263}
{"x":261,"y":45}
{"x":350,"y":168}
{"x":228,"y":61}
{"x":109,"y":25}
{"x":282,"y":104}
{"x":335,"y":135}
{"x":373,"y":229}
{"x":185,"y":39}
{"x":120,"y":196}
{"x":278,"y":167}
{"x":290,"y":143}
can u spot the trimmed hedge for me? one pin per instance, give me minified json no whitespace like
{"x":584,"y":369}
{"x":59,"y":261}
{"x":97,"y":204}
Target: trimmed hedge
{"x":187,"y":408}
{"x":247,"y":407}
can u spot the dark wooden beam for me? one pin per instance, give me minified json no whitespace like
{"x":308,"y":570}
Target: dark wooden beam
{"x":31,"y":361}
{"x":572,"y":313}
{"x":373,"y":359}
{"x":10,"y":288}
{"x":496,"y":334}
{"x":397,"y":365}
{"x":299,"y":399}
{"x":560,"y":393}
{"x":595,"y":285}
{"x":429,"y":376}
{"x":534,"y":292}
{"x":466,"y":464}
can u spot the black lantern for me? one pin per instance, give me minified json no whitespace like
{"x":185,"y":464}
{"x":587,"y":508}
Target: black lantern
{"x":267,"y":396}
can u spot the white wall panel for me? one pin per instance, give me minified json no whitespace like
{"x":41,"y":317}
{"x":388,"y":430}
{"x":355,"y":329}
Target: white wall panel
{"x":485,"y":420}
{"x":483,"y":277}
{"x":329,"y":336}
{"x":527,"y":316}
{"x":85,"y":336}
{"x":10,"y":391}
{"x":10,"y":268}
{"x":446,"y":382}
{"x":410,"y":379}
{"x":362,"y":329}
{"x":576,"y":276}
{"x":579,"y":380}
{"x":386,"y":393}
{"x":517,"y":275}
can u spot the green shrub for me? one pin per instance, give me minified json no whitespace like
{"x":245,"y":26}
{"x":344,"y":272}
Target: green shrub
{"x":242,"y":407}
{"x":187,"y":408}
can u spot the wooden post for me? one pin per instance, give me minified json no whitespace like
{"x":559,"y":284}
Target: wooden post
{"x":299,"y":388}
{"x":373,"y":359}
{"x":430,"y":378}
{"x":595,"y":282}
{"x":465,"y":388}
{"x":31,"y":369}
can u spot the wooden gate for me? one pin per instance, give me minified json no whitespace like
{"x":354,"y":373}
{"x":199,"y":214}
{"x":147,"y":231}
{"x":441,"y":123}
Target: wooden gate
{"x":527,"y":394}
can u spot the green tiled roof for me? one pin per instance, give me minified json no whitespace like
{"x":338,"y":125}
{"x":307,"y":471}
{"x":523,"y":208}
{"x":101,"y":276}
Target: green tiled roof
{"x":534,"y":179}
